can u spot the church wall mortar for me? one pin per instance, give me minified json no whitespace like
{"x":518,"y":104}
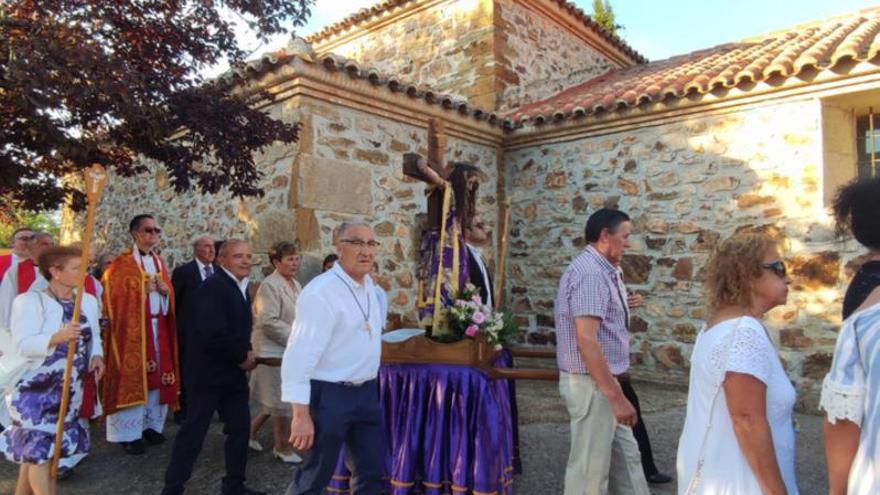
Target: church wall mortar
{"x":686,"y":184}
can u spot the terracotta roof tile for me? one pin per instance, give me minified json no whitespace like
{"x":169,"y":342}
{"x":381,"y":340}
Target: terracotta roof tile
{"x":820,"y":46}
{"x":302,"y":50}
{"x":387,"y":7}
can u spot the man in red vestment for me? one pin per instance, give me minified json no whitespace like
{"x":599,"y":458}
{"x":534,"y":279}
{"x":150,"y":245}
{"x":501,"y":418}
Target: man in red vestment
{"x":142,"y":379}
{"x":23,"y":276}
{"x":22,"y":240}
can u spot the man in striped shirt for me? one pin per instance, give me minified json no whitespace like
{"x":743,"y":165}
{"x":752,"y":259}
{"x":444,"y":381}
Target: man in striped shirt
{"x":592,"y":351}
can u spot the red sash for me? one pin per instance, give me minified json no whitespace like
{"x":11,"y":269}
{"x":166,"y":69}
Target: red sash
{"x":90,"y":386}
{"x":5,"y":263}
{"x":26,"y":275}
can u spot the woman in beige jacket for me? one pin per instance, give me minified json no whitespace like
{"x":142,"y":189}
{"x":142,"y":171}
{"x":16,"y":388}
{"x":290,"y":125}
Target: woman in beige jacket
{"x":274,"y":312}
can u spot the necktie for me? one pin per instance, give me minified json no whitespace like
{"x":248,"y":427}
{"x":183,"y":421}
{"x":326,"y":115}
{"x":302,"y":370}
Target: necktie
{"x":209,"y":270}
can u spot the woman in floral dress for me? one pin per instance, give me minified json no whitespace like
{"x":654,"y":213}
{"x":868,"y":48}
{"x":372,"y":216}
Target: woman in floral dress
{"x":42,"y":330}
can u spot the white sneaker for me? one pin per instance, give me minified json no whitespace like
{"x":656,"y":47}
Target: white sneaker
{"x":255,"y":445}
{"x":291,"y":458}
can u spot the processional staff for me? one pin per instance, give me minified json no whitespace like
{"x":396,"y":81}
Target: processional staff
{"x":95,"y":177}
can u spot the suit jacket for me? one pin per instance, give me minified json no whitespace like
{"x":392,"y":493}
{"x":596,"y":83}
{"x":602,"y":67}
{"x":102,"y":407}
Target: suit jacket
{"x":186,"y":280}
{"x":220,"y":335}
{"x":476,"y":276}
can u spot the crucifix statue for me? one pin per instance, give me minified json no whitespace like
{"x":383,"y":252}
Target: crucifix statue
{"x":452,"y":198}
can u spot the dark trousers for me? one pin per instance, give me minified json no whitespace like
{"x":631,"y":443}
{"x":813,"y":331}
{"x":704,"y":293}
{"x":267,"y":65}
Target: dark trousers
{"x":349,"y":416}
{"x":232,"y":406}
{"x":639,"y":430}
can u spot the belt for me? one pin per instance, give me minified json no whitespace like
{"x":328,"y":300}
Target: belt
{"x":623,"y":377}
{"x":353,"y":384}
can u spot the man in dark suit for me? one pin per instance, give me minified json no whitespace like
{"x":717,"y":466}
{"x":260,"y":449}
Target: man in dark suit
{"x":218,"y":355}
{"x":475,"y":237}
{"x":186,"y":280}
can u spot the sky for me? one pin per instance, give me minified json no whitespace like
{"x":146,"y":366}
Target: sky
{"x":657,"y":29}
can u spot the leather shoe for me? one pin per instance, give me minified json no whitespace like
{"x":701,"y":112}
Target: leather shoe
{"x":135,"y":447}
{"x":658,"y":478}
{"x":153,"y":437}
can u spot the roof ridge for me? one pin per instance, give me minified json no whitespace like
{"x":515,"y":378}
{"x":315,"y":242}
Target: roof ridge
{"x":817,"y":45}
{"x":299,"y":48}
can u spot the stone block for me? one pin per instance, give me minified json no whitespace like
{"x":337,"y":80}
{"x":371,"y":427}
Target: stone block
{"x":815,"y":271}
{"x":816,"y":365}
{"x":327,"y":184}
{"x":683,"y":270}
{"x":636,"y":268}
{"x":669,"y":356}
{"x":555,"y":180}
{"x":308,"y":231}
{"x":273,"y":225}
{"x":794,"y":338}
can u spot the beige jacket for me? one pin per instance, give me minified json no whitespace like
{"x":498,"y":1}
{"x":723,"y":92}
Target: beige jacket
{"x":274,"y":312}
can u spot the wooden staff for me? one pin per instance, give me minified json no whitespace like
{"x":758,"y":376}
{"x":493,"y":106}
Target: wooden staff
{"x":95,"y":178}
{"x":502,"y":258}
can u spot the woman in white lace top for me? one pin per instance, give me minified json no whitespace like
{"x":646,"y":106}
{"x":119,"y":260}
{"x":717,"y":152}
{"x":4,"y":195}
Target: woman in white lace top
{"x":850,"y":400}
{"x":738,"y":436}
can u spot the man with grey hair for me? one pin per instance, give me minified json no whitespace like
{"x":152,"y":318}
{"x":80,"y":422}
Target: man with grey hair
{"x":186,"y":279}
{"x":330,"y":367}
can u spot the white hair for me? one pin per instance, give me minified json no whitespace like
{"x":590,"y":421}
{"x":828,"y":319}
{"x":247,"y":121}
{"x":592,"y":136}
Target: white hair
{"x":194,"y":241}
{"x":346,"y":225}
{"x":228,"y":245}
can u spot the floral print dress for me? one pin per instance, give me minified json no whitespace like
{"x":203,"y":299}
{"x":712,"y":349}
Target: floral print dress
{"x":35,"y":401}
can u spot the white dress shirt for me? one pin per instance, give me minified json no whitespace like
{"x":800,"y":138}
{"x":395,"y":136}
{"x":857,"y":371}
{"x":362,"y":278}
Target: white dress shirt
{"x":330,"y":341}
{"x":242,"y":284}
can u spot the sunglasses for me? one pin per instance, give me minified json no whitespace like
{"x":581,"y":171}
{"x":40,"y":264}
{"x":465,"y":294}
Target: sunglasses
{"x":777,"y":267}
{"x":152,"y":230}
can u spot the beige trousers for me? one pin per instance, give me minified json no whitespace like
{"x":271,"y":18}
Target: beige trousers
{"x":604,"y":457}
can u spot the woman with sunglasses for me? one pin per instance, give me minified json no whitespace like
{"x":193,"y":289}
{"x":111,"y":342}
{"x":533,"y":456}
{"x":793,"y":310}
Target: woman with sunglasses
{"x":738,"y":436}
{"x":851,"y":389}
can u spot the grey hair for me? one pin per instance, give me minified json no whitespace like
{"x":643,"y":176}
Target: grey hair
{"x":194,"y":240}
{"x":346,"y":225}
{"x":228,"y":245}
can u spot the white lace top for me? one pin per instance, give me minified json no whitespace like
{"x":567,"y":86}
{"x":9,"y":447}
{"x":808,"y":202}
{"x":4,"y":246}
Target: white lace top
{"x":740,"y":345}
{"x":850,"y":391}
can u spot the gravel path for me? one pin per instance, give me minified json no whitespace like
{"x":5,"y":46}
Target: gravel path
{"x":543,"y":430}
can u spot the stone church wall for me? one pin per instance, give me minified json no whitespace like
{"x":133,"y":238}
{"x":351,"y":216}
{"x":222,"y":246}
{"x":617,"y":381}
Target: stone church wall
{"x":447,"y":46}
{"x":347,"y":164}
{"x":686,"y":184}
{"x":537,"y":57}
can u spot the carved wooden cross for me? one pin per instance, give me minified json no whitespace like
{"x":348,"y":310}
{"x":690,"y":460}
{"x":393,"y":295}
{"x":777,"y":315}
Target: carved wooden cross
{"x":431,"y":170}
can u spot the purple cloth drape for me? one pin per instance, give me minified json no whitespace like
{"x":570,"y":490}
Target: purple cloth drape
{"x":449,"y":430}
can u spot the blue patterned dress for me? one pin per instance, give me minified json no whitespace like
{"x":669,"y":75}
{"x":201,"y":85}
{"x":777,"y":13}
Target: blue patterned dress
{"x":34,"y":403}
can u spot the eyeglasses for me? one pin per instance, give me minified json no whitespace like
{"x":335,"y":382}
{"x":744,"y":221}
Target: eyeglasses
{"x":152,"y":230}
{"x":26,"y":238}
{"x":360,"y":243}
{"x":777,"y":267}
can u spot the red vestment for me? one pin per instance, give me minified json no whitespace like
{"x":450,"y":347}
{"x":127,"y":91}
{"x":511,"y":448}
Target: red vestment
{"x":129,"y":355}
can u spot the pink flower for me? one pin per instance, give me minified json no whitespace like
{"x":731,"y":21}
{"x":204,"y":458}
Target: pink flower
{"x":471,"y":331}
{"x":477,"y":299}
{"x":479,"y":318}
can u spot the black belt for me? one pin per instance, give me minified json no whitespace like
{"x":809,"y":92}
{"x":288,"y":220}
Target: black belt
{"x":623,"y":377}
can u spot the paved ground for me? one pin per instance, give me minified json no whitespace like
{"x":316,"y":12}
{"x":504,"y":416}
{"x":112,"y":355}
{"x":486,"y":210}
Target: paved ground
{"x":544,"y":432}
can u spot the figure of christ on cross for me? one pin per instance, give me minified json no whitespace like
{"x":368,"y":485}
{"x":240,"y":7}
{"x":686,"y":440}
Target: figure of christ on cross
{"x":452,"y":197}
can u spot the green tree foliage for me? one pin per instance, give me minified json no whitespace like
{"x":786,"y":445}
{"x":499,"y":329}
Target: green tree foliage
{"x":111,"y":82}
{"x":603,"y":14}
{"x":39,"y":221}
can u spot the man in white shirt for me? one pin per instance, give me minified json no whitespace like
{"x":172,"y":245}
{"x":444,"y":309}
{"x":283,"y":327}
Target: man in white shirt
{"x":330,"y":367}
